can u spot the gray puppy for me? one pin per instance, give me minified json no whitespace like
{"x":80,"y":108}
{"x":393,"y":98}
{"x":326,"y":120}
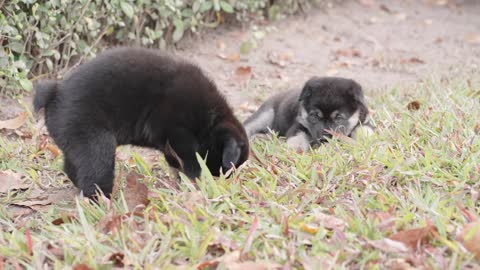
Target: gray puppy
{"x":305,"y":116}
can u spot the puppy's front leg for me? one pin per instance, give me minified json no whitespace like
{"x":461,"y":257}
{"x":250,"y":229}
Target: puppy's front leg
{"x":180,"y":152}
{"x":298,"y":139}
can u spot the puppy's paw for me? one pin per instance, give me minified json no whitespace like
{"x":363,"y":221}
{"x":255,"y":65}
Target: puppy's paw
{"x":299,"y":142}
{"x":362,"y":132}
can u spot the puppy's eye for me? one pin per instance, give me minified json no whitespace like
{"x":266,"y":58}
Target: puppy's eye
{"x":339,"y":116}
{"x":316,"y":115}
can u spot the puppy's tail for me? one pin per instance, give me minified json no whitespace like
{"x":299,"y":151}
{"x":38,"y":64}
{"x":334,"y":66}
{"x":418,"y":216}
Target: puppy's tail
{"x":45,"y":92}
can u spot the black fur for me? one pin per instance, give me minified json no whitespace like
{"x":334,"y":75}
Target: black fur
{"x":140,"y":97}
{"x":309,"y":110}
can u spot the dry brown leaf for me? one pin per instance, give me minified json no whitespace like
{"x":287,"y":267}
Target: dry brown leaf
{"x":280,"y":59}
{"x":111,"y":222}
{"x":232,"y":261}
{"x":385,"y":219}
{"x":12,"y":181}
{"x":2,"y":262}
{"x":474,"y":38}
{"x":476,"y":129}
{"x":331,"y":72}
{"x":14,"y":123}
{"x":38,"y":200}
{"x":349,"y":52}
{"x":243,"y":72}
{"x":82,"y":266}
{"x":56,"y":251}
{"x":136,"y":192}
{"x":414,"y":237}
{"x":260,"y":265}
{"x":413,"y":106}
{"x":385,"y":8}
{"x":29,"y":243}
{"x":412,"y":60}
{"x":234,"y":57}
{"x":250,"y":236}
{"x":469,"y":236}
{"x":117,"y":259}
{"x":330,"y":222}
{"x":53,"y":149}
{"x":388,"y":245}
{"x":65,"y":218}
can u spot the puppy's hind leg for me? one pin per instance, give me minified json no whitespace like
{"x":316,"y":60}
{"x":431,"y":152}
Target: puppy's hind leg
{"x":91,"y":162}
{"x":260,"y":121}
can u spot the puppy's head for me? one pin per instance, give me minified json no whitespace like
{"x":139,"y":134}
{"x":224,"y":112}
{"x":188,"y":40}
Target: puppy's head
{"x":331,"y":103}
{"x":228,"y":146}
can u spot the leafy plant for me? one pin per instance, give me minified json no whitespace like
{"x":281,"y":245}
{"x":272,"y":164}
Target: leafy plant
{"x":48,"y":37}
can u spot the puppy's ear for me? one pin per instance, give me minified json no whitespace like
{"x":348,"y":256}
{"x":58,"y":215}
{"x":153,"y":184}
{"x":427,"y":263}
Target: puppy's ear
{"x":172,"y":157}
{"x":360,"y":99}
{"x":306,"y":92}
{"x":231,"y":152}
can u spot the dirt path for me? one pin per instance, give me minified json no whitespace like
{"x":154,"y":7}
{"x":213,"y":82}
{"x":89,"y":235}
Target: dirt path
{"x":379,"y":44}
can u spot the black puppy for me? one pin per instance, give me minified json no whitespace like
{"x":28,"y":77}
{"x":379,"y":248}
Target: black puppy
{"x":140,"y":97}
{"x":305,"y":116}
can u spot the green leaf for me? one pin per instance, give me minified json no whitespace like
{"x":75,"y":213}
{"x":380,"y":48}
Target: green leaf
{"x":245,"y":47}
{"x":26,"y":84}
{"x":179,"y":29}
{"x":226,"y":7}
{"x":127,"y":9}
{"x":206,"y":6}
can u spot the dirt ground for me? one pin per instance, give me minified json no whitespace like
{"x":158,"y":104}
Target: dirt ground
{"x":378,"y":43}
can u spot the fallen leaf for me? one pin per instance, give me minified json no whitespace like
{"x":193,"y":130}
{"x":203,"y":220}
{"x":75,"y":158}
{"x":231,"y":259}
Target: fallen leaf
{"x":39,"y":200}
{"x":385,"y":219}
{"x":413,"y":106}
{"x":65,"y":218}
{"x":260,"y":265}
{"x":280,"y":59}
{"x":110,"y":223}
{"x":331,"y":72}
{"x":385,"y":8}
{"x":117,"y":259}
{"x":221,"y":46}
{"x":330,"y":222}
{"x":28,"y":239}
{"x":136,"y":192}
{"x":476,"y":129}
{"x":53,"y":149}
{"x":474,"y":38}
{"x":56,"y":251}
{"x":14,"y":123}
{"x":81,"y":266}
{"x":388,"y":245}
{"x":2,"y":262}
{"x":400,"y":16}
{"x":208,"y":265}
{"x":311,"y":229}
{"x":231,"y":261}
{"x":250,"y":236}
{"x":412,"y":60}
{"x":414,"y":237}
{"x":349,"y":52}
{"x":234,"y":57}
{"x":469,"y":236}
{"x":16,"y":211}
{"x":12,"y":181}
{"x":243,"y":72}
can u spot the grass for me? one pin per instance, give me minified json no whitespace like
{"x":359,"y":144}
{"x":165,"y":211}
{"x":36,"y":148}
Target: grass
{"x":317,"y":210}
